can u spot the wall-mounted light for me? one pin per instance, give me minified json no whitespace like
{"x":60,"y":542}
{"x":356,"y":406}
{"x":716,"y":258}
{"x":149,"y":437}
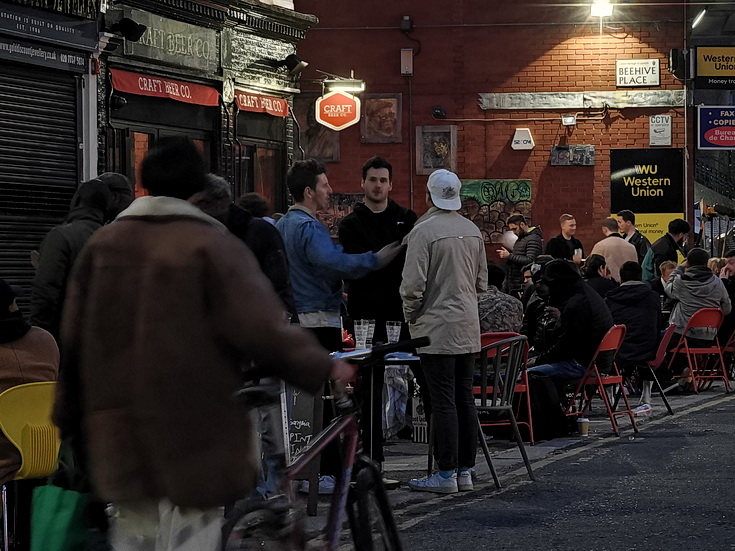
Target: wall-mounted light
{"x":344,"y":85}
{"x":569,"y":120}
{"x":129,"y":29}
{"x":699,"y":17}
{"x":294,"y":64}
{"x":336,"y":83}
{"x":601,"y":8}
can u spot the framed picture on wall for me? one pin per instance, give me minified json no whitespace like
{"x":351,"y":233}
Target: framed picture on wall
{"x":317,"y":141}
{"x":381,"y":118}
{"x":436,"y":147}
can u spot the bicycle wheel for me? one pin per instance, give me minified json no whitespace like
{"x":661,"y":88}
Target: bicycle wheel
{"x":373,"y":529}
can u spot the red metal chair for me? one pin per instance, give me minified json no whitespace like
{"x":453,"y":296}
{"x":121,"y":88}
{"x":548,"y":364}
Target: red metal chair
{"x":659,"y":360}
{"x":486,"y":339}
{"x":706,"y":364}
{"x":592,"y":377}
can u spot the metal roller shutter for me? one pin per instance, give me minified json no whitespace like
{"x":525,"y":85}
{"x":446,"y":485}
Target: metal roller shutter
{"x":39,"y":162}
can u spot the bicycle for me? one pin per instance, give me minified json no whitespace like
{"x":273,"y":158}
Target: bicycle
{"x":359,"y":491}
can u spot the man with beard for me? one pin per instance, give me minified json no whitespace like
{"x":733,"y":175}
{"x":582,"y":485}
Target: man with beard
{"x":525,"y":250}
{"x":372,"y":225}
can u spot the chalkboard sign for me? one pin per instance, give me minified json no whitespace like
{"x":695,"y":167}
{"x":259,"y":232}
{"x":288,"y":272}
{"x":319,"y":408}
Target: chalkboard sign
{"x":299,"y":416}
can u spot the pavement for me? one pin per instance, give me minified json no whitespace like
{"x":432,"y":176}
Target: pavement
{"x":406,"y":460}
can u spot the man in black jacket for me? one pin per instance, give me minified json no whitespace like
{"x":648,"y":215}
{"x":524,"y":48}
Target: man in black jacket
{"x":667,"y":247}
{"x":626,"y":225}
{"x":95,"y":202}
{"x":261,"y":237}
{"x":565,"y":245}
{"x":372,"y":225}
{"x":525,"y":250}
{"x":584,"y":319}
{"x":638,"y":307}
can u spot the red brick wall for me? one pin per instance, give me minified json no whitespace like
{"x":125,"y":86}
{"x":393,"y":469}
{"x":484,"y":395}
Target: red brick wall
{"x":468,"y":47}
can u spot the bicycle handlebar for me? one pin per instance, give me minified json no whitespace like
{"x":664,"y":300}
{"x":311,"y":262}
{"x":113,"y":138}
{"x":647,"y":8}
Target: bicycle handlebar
{"x":381,"y":350}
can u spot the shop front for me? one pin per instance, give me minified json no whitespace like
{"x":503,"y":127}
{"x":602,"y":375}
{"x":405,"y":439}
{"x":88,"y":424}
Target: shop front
{"x":44,"y":68}
{"x":260,"y":148}
{"x":145,"y":108}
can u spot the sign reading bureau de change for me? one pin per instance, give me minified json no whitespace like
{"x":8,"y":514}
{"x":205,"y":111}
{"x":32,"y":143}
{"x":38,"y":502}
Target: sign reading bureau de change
{"x":650,"y":182}
{"x":716,"y":127}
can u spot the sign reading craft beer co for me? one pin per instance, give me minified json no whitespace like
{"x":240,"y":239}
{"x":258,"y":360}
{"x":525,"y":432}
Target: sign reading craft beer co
{"x":338,"y":110}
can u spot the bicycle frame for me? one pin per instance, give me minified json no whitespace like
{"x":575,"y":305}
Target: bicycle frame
{"x":346,"y":426}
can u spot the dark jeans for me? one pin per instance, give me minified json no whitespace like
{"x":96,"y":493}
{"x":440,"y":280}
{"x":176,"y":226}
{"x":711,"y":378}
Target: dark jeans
{"x":454,"y":413}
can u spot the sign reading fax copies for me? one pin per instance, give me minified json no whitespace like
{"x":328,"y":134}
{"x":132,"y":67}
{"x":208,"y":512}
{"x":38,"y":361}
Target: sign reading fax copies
{"x":716,"y":127}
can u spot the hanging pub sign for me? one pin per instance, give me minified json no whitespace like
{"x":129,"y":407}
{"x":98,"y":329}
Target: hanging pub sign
{"x":338,"y":110}
{"x":716,"y":127}
{"x":257,"y":103}
{"x":650,"y":182}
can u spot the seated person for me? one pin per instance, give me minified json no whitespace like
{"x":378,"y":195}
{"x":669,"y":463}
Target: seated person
{"x":635,"y":305}
{"x":537,"y":323}
{"x":27,"y":355}
{"x":597,"y":276}
{"x":666,"y":267}
{"x":498,"y":311}
{"x":727,"y":275}
{"x":694,"y":286}
{"x":583,"y":320}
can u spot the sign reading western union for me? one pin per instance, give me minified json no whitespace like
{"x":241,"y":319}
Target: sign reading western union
{"x":715,"y":67}
{"x":650,"y":182}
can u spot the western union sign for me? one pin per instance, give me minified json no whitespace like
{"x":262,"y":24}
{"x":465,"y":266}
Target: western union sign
{"x":715,"y":67}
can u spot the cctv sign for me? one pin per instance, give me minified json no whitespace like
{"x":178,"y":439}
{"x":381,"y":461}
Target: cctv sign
{"x":338,"y":110}
{"x":659,"y":130}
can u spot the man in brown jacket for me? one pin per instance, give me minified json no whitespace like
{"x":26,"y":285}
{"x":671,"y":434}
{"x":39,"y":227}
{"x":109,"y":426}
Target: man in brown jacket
{"x":163,"y":309}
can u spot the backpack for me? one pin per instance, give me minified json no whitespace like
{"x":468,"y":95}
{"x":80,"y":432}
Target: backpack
{"x":649,"y":267}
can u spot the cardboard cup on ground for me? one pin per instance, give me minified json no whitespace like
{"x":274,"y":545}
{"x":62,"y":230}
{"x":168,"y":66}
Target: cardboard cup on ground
{"x":583,"y":426}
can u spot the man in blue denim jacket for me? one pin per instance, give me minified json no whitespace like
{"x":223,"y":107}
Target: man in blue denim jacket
{"x":318,"y":267}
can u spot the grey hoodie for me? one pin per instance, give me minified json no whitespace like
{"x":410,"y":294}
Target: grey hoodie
{"x":696,"y":288}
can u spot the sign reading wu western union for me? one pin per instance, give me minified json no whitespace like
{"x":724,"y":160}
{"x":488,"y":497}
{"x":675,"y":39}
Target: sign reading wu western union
{"x":650,"y":182}
{"x":715,"y":67}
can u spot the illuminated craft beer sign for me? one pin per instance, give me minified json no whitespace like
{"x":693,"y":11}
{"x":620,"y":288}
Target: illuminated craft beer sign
{"x":338,"y":110}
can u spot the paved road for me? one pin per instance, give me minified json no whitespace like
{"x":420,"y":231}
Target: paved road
{"x":670,"y":487}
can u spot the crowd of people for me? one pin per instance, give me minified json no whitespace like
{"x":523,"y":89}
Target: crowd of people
{"x":161,"y":306}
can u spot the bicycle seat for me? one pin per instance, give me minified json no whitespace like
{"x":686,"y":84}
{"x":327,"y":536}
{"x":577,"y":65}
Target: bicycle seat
{"x":258,"y":395}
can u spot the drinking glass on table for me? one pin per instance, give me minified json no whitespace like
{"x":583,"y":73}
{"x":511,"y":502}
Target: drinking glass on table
{"x":393,"y":330}
{"x":364,"y":333}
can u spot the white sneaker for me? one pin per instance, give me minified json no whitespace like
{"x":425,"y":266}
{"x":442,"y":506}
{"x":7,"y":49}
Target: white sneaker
{"x":435,"y":483}
{"x":464,"y":481}
{"x":326,"y":485}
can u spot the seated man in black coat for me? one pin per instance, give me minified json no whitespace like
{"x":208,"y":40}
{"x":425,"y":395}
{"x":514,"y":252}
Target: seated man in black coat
{"x":584,"y":319}
{"x":638,"y":307}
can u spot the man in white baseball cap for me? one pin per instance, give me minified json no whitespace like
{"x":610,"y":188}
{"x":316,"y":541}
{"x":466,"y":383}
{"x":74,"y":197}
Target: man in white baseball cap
{"x":445,"y":270}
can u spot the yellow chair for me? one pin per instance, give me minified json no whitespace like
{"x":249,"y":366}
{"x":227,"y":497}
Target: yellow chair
{"x":25,"y":419}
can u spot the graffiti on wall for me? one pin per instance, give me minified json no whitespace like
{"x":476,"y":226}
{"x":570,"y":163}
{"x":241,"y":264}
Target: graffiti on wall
{"x":489,"y":204}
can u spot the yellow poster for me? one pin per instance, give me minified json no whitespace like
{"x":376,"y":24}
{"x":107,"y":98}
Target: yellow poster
{"x":715,"y":61}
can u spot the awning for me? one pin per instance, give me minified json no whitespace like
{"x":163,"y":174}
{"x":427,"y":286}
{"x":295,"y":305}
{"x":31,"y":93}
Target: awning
{"x":148,"y":85}
{"x":256,"y":103}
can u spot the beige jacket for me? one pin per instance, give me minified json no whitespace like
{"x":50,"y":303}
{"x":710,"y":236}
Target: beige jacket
{"x":445,"y":270}
{"x":617,"y":251}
